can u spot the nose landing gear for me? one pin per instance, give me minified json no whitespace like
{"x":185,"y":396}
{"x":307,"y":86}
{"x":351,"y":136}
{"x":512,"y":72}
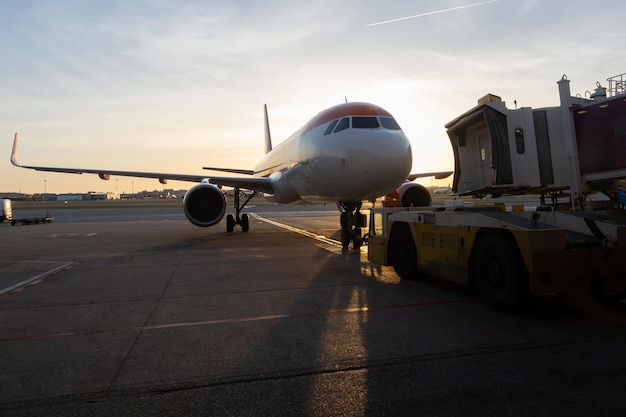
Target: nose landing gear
{"x":352,"y":220}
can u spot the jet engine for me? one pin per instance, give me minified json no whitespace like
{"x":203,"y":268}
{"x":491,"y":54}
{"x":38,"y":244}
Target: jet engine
{"x":409,"y":194}
{"x":204,"y":204}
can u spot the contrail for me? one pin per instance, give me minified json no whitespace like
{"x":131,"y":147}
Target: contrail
{"x":429,"y":13}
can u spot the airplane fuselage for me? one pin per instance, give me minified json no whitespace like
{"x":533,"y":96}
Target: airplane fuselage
{"x":349,"y":152}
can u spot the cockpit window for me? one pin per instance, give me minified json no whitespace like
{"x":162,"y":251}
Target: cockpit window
{"x":330,"y":127}
{"x":365,"y":122}
{"x":389,"y":123}
{"x":361,"y":122}
{"x":343,"y":124}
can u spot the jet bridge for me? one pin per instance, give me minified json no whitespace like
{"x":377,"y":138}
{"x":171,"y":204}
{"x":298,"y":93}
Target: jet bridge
{"x":574,"y":149}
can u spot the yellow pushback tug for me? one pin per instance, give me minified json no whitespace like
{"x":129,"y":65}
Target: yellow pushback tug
{"x":573,"y":156}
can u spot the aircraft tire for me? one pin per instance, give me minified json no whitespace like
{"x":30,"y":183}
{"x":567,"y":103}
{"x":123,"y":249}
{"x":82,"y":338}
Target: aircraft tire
{"x":230,"y":223}
{"x":358,"y":238}
{"x":245,"y":223}
{"x":345,"y":238}
{"x":344,"y":220}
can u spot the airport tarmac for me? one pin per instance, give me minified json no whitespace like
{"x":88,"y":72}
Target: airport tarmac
{"x":134,"y":311}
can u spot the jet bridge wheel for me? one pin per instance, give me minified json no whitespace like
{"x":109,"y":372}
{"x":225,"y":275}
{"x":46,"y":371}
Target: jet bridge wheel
{"x":500,"y":273}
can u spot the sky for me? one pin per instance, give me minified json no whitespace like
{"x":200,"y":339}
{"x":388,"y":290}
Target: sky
{"x":158,"y":85}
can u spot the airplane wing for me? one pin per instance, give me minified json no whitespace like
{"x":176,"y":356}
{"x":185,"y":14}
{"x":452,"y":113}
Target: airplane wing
{"x":437,"y":175}
{"x":261,"y":184}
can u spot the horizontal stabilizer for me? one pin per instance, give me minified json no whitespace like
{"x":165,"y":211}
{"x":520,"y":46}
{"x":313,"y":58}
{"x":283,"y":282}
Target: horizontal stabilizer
{"x":438,"y":175}
{"x":231,"y":170}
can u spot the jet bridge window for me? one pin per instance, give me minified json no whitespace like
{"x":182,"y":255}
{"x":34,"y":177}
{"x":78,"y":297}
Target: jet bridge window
{"x":330,"y":127}
{"x":343,"y":124}
{"x":389,"y":123}
{"x":519,"y":141}
{"x":365,"y":122}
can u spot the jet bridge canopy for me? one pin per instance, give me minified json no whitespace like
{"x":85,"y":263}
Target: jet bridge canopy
{"x":481,"y":149}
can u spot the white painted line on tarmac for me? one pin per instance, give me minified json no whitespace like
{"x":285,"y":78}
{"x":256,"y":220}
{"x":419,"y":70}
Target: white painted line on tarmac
{"x":306,"y":233}
{"x":36,"y":279}
{"x":73,"y":235}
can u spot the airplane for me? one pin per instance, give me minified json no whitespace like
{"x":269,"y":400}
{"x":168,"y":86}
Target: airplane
{"x":346,"y":154}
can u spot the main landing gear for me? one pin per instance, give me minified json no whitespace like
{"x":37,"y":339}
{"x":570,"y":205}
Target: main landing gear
{"x":239,"y":219}
{"x":352,"y":220}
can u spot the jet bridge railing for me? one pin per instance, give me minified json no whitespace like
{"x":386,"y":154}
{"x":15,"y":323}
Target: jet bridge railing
{"x":617,"y":85}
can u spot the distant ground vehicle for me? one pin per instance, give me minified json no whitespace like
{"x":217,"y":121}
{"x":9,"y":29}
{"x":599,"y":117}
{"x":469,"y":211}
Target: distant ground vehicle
{"x":7,"y":211}
{"x":569,"y":243}
{"x":7,"y":214}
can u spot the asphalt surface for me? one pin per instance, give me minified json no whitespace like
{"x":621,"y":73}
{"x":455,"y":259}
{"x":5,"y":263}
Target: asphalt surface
{"x":136,"y":312}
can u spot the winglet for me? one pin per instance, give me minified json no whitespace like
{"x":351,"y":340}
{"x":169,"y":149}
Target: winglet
{"x":268,"y":137}
{"x":14,"y":152}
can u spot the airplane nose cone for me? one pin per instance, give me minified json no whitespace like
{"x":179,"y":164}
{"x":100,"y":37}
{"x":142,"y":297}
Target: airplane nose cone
{"x":397,"y":152}
{"x":393,"y":162}
{"x":376,"y":164}
{"x":354,"y":165}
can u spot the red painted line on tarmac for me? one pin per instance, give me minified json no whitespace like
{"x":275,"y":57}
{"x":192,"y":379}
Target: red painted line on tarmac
{"x":224,"y":321}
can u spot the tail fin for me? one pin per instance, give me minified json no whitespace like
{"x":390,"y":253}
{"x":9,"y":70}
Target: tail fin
{"x":268,"y":137}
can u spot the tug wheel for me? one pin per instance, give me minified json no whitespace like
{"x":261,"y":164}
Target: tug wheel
{"x":500,"y":273}
{"x":402,"y":252}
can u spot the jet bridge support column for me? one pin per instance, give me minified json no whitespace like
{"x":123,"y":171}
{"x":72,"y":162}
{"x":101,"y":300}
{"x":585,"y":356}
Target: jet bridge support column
{"x":569,"y":139}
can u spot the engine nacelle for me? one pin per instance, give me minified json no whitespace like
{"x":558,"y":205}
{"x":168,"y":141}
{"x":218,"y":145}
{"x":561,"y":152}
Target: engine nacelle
{"x":409,"y":194}
{"x":204,"y":204}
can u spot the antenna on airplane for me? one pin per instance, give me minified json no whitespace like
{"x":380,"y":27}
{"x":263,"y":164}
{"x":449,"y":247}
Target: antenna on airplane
{"x":346,"y":98}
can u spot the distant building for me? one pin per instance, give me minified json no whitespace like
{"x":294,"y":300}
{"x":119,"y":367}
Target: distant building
{"x":69,"y":197}
{"x":103,"y":196}
{"x":15,"y":196}
{"x":161,"y":194}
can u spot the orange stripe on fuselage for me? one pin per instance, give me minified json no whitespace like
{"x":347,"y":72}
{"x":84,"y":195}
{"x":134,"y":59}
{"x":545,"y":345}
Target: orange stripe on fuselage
{"x":286,"y":154}
{"x":344,"y":110}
